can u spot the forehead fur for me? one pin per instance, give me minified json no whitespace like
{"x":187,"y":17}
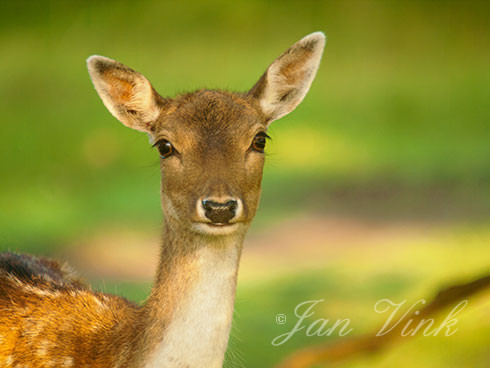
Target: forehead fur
{"x":212,"y":109}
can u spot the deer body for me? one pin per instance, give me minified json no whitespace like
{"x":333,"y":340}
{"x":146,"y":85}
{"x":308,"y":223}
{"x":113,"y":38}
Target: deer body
{"x":211,"y":147}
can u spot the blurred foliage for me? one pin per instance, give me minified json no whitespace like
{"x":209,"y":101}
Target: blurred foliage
{"x":401,"y":99}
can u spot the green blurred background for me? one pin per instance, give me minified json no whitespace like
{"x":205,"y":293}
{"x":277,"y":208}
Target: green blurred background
{"x":377,"y":186}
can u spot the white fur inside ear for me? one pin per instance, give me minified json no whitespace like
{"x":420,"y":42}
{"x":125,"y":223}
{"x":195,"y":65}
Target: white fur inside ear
{"x":289,"y":77}
{"x":127,"y":94}
{"x":143,"y":101}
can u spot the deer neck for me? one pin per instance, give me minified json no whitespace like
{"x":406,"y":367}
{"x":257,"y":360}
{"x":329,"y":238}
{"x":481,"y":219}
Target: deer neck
{"x":189,"y":312}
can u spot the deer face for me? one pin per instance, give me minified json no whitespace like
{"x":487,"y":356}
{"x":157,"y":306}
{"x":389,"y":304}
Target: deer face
{"x":210,"y":143}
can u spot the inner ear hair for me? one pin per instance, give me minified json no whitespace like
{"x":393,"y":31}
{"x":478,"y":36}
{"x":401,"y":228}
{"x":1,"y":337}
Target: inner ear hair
{"x":287,"y":80}
{"x":127,"y":94}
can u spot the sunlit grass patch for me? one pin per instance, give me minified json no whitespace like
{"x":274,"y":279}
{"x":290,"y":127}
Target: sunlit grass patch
{"x":353,"y":282}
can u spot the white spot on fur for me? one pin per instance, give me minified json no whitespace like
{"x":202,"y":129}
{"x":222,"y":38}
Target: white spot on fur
{"x":9,"y":360}
{"x":68,"y":362}
{"x":100,"y":305}
{"x":42,"y":349}
{"x":35,"y":290}
{"x":95,"y":328}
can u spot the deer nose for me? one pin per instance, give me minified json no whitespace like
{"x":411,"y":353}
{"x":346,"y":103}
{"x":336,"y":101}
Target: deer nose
{"x":219,"y":212}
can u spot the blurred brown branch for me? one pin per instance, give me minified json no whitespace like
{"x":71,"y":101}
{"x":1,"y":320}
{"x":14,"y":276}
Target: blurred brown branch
{"x":348,"y":348}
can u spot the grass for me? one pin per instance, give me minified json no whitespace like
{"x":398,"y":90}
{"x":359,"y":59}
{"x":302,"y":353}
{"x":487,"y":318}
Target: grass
{"x":352,"y":282}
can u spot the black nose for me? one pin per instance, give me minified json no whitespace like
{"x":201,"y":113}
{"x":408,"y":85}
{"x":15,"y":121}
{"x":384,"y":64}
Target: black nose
{"x":219,"y":213}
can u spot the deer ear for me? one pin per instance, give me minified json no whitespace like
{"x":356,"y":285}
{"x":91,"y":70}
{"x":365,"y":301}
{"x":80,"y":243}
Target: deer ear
{"x":127,"y":94}
{"x":287,"y":80}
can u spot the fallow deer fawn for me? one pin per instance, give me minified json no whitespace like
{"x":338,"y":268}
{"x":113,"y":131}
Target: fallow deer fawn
{"x":211,"y":145}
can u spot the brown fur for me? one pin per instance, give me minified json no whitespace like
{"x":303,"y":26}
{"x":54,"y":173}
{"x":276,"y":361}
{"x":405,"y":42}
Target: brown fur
{"x":50,"y":319}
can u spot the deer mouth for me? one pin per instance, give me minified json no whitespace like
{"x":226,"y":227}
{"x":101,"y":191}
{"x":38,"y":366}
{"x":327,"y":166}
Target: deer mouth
{"x":215,"y":228}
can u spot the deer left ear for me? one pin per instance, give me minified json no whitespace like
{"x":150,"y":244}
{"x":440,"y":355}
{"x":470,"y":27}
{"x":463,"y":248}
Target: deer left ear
{"x":287,"y":80}
{"x":127,"y":94}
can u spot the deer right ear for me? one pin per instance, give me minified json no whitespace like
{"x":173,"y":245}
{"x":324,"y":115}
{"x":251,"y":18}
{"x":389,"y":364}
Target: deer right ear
{"x":287,"y":80}
{"x":127,"y":94}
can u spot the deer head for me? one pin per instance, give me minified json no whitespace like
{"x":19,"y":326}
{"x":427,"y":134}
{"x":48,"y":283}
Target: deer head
{"x":211,"y":142}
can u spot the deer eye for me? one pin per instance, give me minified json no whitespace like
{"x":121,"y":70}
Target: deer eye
{"x":258,"y":144}
{"x":165,"y":148}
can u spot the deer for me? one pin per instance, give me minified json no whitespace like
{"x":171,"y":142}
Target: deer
{"x":211,"y":146}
